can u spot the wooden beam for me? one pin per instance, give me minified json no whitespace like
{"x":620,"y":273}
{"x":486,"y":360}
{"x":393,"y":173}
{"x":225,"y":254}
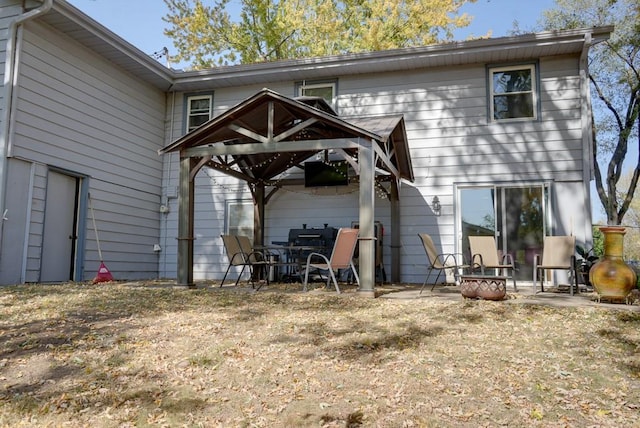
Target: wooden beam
{"x":270,"y":117}
{"x":198,"y":166}
{"x":352,"y":161}
{"x":382,"y":155}
{"x":294,"y":130}
{"x":232,"y":172}
{"x":272,"y":147}
{"x":248,"y":133}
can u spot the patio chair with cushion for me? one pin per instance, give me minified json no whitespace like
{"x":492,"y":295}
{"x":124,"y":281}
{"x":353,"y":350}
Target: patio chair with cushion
{"x":439,"y":262}
{"x":341,"y":258}
{"x":558,"y":253}
{"x":240,"y":253}
{"x":485,"y":255}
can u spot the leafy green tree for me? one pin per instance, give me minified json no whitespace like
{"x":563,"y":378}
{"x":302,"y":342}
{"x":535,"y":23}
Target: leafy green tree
{"x":614,"y":72}
{"x":632,"y":221}
{"x":209,"y":33}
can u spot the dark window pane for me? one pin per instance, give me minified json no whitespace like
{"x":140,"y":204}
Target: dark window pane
{"x":200,"y":105}
{"x":323,"y":92}
{"x":197,"y":120}
{"x":512,"y":81}
{"x":513,"y":106}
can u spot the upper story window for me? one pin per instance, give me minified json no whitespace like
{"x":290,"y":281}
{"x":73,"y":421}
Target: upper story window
{"x":325,"y":89}
{"x":198,"y":110}
{"x":513,"y":93}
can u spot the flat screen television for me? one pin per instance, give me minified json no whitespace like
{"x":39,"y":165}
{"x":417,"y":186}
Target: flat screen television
{"x":320,"y":174}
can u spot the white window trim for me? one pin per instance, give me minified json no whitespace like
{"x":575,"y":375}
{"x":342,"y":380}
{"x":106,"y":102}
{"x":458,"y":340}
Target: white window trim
{"x":246,"y":204}
{"x":534,"y":92}
{"x":188,"y":108}
{"x":313,"y":85}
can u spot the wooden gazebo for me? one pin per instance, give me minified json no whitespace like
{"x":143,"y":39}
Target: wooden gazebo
{"x":242,"y":141}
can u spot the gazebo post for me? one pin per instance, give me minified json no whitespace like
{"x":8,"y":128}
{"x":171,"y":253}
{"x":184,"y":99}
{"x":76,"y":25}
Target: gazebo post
{"x":367,"y":257}
{"x":258,"y":214}
{"x":185,"y":224}
{"x":394,"y":199}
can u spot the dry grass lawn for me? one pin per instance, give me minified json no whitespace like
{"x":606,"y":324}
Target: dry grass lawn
{"x":147,"y":355}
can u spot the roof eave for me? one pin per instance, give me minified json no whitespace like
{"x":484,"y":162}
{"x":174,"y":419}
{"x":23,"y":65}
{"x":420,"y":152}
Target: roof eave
{"x":397,"y":59}
{"x":162,"y":77}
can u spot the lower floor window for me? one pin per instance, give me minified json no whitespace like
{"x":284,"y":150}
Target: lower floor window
{"x":239,"y":218}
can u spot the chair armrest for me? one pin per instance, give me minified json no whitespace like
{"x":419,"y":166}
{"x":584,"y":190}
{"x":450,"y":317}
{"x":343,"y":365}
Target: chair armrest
{"x":317,"y":255}
{"x":536,"y":260}
{"x":446,"y":259}
{"x":508,"y":259}
{"x":238,"y":257}
{"x":261,"y":259}
{"x":476,"y":261}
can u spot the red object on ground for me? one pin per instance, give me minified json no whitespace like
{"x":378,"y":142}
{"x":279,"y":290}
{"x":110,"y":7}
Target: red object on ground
{"x":103,"y":274}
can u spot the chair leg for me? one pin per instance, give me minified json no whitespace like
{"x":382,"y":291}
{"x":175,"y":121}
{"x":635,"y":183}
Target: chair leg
{"x":240,"y":275}
{"x":437,"y":278}
{"x":426,"y":279}
{"x":225,"y":275}
{"x":355,"y":274}
{"x":265,"y":272}
{"x":335,"y":282}
{"x":306,"y":278}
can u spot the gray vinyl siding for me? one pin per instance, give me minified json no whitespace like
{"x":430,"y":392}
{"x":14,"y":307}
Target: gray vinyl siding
{"x":79,"y":113}
{"x":7,"y":14}
{"x":451,"y":140}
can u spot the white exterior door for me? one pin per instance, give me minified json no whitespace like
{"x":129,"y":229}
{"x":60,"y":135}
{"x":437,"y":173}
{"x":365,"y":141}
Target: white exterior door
{"x":60,"y":228}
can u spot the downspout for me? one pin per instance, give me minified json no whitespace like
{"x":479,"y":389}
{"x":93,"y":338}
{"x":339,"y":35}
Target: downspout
{"x":587,"y":138}
{"x":587,"y":124}
{"x":10,"y":71}
{"x":588,"y":135}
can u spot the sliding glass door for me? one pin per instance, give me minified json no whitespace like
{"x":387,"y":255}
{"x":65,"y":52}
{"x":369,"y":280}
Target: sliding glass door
{"x":514,"y":215}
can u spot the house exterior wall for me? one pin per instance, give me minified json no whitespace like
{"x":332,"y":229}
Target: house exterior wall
{"x":452,"y":142}
{"x":77,"y":113}
{"x":74,"y":112}
{"x":7,"y":13}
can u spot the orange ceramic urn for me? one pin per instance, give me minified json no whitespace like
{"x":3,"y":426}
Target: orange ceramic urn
{"x":611,"y":277}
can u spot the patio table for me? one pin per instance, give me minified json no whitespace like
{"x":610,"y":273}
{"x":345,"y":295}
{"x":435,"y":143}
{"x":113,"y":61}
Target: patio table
{"x":289,"y":257}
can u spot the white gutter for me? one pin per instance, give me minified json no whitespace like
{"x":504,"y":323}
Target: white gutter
{"x":10,"y":69}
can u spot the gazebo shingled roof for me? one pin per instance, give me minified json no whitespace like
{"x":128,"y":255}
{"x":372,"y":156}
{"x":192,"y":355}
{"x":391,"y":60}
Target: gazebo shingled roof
{"x":247,"y":123}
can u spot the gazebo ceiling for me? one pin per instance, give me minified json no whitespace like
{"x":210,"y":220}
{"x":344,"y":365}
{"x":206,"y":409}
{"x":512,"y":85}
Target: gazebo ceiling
{"x":267,"y":134}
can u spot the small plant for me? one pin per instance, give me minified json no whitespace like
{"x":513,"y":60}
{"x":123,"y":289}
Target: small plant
{"x":585,"y":262}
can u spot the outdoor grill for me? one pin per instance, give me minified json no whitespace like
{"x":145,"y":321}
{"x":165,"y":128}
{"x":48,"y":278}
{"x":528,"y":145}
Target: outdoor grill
{"x":320,"y":239}
{"x":300,"y":244}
